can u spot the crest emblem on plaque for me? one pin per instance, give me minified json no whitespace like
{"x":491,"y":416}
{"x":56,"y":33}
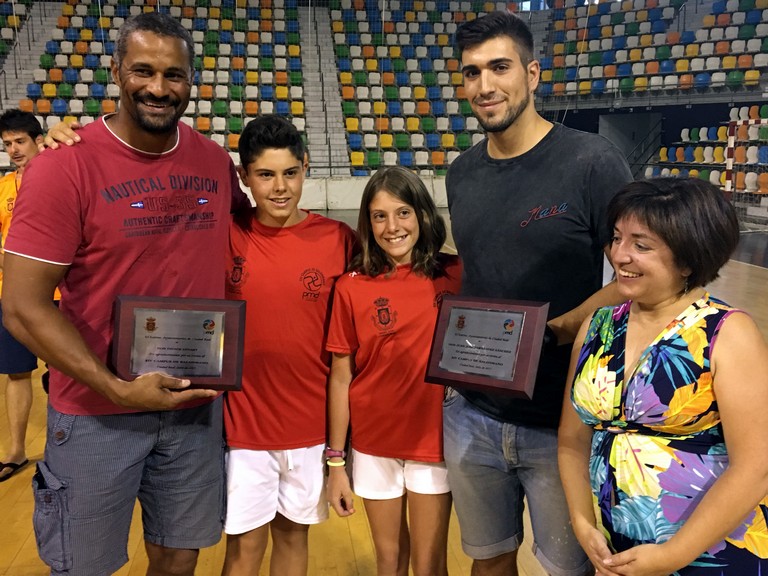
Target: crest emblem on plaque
{"x":150,"y":324}
{"x":385,"y":319}
{"x":460,"y":321}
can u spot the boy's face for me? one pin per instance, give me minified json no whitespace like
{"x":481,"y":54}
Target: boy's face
{"x":276,"y":178}
{"x":21,"y":147}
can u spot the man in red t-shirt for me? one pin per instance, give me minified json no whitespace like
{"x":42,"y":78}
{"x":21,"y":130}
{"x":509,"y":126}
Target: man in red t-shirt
{"x":130,"y":210}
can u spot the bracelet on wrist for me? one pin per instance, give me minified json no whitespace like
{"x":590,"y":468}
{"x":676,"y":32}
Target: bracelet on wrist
{"x":336,"y":464}
{"x":331,"y":453}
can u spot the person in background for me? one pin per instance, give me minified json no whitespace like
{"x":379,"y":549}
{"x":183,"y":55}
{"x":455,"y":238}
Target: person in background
{"x":383,"y":317}
{"x":283,"y":262}
{"x":665,"y":425}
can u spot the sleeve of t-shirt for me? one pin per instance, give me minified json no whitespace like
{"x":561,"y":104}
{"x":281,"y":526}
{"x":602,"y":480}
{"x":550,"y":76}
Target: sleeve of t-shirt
{"x":47,"y":221}
{"x":608,"y":174}
{"x":342,"y":336}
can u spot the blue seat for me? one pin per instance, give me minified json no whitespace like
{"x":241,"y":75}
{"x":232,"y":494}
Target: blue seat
{"x":59,"y":107}
{"x":196,"y":78}
{"x":385,"y":65}
{"x":279,"y":38}
{"x":593,"y":21}
{"x":91,"y":61}
{"x":545,"y":89}
{"x":348,"y":15}
{"x":355,"y":141}
{"x":238,"y":50}
{"x":598,"y":86}
{"x":90,"y":22}
{"x":52,"y":47}
{"x":433,"y":93}
{"x":425,"y":27}
{"x":654,"y":14}
{"x":435,"y":52}
{"x":71,"y":76}
{"x":762,"y":154}
{"x":406,"y":158}
{"x":345,"y":65}
{"x":360,"y":172}
{"x":438,"y":107}
{"x":101,"y":35}
{"x":457,"y":123}
{"x":687,"y":37}
{"x":672,"y":153}
{"x":432,"y":141}
{"x":266,"y":50}
{"x":398,"y":16}
{"x":658,"y":27}
{"x":237,"y":77}
{"x":754,"y":17}
{"x":376,"y":26}
{"x":593,"y":33}
{"x":417,"y":39}
{"x":34,"y":91}
{"x":683,"y":173}
{"x":6,"y":8}
{"x":200,"y":24}
{"x":609,"y":57}
{"x":624,"y":70}
{"x":283,"y":108}
{"x":71,"y":35}
{"x":712,"y":133}
{"x":408,"y":51}
{"x":98,"y":91}
{"x":619,"y":42}
{"x":688,"y":151}
{"x":225,"y":37}
{"x":353,"y":39}
{"x":604,"y":8}
{"x":425,"y":65}
{"x":267,"y":92}
{"x":571,"y":73}
{"x":253,"y":13}
{"x":559,"y":36}
{"x":545,"y":63}
{"x":401,"y":79}
{"x":667,"y":67}
{"x":718,"y":7}
{"x":702,"y":80}
{"x":292,"y":26}
{"x":122,"y":11}
{"x":109,"y":48}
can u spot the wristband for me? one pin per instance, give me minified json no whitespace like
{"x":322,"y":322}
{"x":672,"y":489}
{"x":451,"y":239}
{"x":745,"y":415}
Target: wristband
{"x":335,"y":464}
{"x":331,"y":453}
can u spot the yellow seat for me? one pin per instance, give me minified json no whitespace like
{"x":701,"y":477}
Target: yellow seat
{"x":76,"y":60}
{"x":226,"y":25}
{"x":419,"y":92}
{"x":49,"y":90}
{"x":294,"y":50}
{"x":105,"y":22}
{"x":386,"y":140}
{"x":379,"y":108}
{"x":646,"y":40}
{"x":337,"y":26}
{"x":345,"y":78}
{"x":751,"y":77}
{"x":691,"y":50}
{"x":266,"y":14}
{"x":448,"y":140}
{"x":297,"y":108}
{"x":352,"y":124}
{"x":357,"y":158}
{"x":457,"y":79}
{"x":394,"y":52}
{"x":641,"y":84}
{"x":681,"y":65}
{"x":209,"y":62}
{"x":371,"y":65}
{"x":729,"y":62}
{"x":281,"y":92}
{"x":635,"y":55}
{"x":251,"y":77}
{"x":412,"y":124}
{"x":546,"y":75}
{"x":443,"y":40}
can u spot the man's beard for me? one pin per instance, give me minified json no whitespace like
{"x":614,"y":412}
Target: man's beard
{"x":512,"y":114}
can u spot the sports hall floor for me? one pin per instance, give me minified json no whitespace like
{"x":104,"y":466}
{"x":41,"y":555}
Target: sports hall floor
{"x":337,"y":547}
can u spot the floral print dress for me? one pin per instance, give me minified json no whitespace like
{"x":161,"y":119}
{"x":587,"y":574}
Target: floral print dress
{"x":658,"y":442}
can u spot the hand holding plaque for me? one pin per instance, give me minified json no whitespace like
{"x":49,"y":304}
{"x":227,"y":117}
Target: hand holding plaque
{"x":196,"y":339}
{"x":490,"y":345}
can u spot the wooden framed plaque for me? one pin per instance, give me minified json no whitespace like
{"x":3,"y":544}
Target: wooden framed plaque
{"x":194,"y":338}
{"x":487,"y":344}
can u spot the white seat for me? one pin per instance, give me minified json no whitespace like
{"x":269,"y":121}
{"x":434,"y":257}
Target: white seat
{"x":656,"y":83}
{"x":670,"y":82}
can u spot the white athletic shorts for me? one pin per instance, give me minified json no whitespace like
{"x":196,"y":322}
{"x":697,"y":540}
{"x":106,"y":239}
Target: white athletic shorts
{"x":261,"y":483}
{"x":379,"y":478}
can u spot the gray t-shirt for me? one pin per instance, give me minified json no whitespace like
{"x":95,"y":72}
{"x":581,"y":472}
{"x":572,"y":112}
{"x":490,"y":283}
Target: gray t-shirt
{"x":534,"y":227}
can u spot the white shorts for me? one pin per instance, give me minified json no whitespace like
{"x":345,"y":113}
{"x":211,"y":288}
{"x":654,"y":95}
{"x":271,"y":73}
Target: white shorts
{"x":261,"y":483}
{"x":379,"y":478}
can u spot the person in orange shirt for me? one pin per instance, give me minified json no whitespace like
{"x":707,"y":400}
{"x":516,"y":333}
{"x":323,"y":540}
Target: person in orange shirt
{"x":382,"y":319}
{"x":21,"y":134}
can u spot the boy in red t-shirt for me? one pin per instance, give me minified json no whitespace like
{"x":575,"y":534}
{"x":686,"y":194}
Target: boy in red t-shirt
{"x":284,"y":262}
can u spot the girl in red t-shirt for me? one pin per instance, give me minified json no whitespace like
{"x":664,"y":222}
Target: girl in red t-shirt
{"x":383,"y":317}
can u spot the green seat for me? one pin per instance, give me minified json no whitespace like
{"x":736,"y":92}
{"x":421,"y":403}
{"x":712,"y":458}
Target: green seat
{"x":220,"y":108}
{"x":293,"y":38}
{"x":735,"y":79}
{"x":398,"y":65}
{"x":46,"y":61}
{"x":235,"y":92}
{"x":100,"y":76}
{"x":291,"y":14}
{"x":663,"y":52}
{"x":617,"y":18}
{"x":747,"y":32}
{"x":463,"y":141}
{"x":626,"y":85}
{"x":211,"y":37}
{"x":377,"y":39}
{"x":202,"y":3}
{"x":428,"y":124}
{"x":465,"y":108}
{"x":746,"y":5}
{"x":558,"y":75}
{"x":595,"y":58}
{"x":693,"y":134}
{"x":373,"y":159}
{"x":342,"y":51}
{"x":335,"y":4}
{"x":764,"y":111}
{"x":92,"y":107}
{"x":64,"y":91}
{"x":198,"y":63}
{"x":93,"y":10}
{"x":402,"y":141}
{"x":349,"y":108}
{"x":570,"y":47}
{"x":266,"y":64}
{"x":762,"y":133}
{"x":677,"y":4}
{"x":632,"y":29}
{"x":295,"y":78}
{"x":391,"y":93}
{"x":210,"y":49}
{"x":350,"y":26}
{"x":764,"y":45}
{"x":360,"y":78}
{"x":227,"y":13}
{"x":441,"y":171}
{"x":240,"y":25}
{"x":235,"y":124}
{"x":434,"y":16}
{"x":429,"y":79}
{"x":3,"y":48}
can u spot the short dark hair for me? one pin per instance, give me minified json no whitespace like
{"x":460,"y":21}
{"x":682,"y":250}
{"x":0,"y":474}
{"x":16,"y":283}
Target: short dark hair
{"x":269,"y":131}
{"x":157,"y":23}
{"x":406,"y":187}
{"x":690,"y":216}
{"x":14,"y":120}
{"x":494,"y":24}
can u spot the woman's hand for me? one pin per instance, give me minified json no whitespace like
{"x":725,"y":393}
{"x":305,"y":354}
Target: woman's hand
{"x":643,"y":560}
{"x":595,"y":545}
{"x":339,"y":493}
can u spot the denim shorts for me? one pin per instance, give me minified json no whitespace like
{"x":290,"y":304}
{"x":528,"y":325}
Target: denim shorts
{"x":492,"y":465}
{"x":96,"y":466}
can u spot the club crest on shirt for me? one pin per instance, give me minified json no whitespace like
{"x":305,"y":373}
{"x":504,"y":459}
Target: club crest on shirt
{"x":385,"y":319}
{"x":313,"y":281}
{"x":237,"y":275}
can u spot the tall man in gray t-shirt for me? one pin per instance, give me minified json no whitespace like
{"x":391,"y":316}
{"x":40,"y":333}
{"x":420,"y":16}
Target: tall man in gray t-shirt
{"x":527,"y":208}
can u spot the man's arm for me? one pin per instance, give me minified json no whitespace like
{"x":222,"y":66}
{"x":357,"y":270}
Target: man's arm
{"x":30,"y":315}
{"x":567,"y":325}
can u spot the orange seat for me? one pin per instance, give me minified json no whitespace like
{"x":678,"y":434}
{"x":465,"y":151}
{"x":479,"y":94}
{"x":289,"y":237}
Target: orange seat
{"x":205,"y":92}
{"x":266,"y":25}
{"x":685,"y":82}
{"x":762,"y":182}
{"x":461,"y":94}
{"x":388,"y":78}
{"x":382,"y":124}
{"x":741,"y":178}
{"x":673,"y":37}
{"x":423,"y":107}
{"x":452,"y":65}
{"x":740,"y":154}
{"x":26,"y":105}
{"x":742,"y":134}
{"x":281,"y":77}
{"x":723,"y":47}
{"x":238,"y":63}
{"x":55,"y":75}
{"x":558,"y":89}
{"x":609,"y":71}
{"x":252,"y":37}
{"x":251,"y":108}
{"x":368,"y":51}
{"x":233,"y":141}
{"x":108,"y":106}
{"x":43,"y":106}
{"x":745,"y":61}
{"x":203,"y":124}
{"x":389,"y":27}
{"x":348,"y":92}
{"x":652,"y":67}
{"x":558,"y":61}
{"x":188,"y":12}
{"x":62,"y":22}
{"x":723,"y":19}
{"x":81,"y":47}
{"x":438,"y":158}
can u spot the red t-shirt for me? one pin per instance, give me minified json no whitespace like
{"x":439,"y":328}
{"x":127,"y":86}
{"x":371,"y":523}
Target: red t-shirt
{"x":286,"y":276}
{"x":125,"y":222}
{"x":387,"y":322}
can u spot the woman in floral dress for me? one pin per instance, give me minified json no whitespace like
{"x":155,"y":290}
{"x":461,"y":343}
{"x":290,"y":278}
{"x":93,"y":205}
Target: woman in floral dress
{"x":663,"y":442}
